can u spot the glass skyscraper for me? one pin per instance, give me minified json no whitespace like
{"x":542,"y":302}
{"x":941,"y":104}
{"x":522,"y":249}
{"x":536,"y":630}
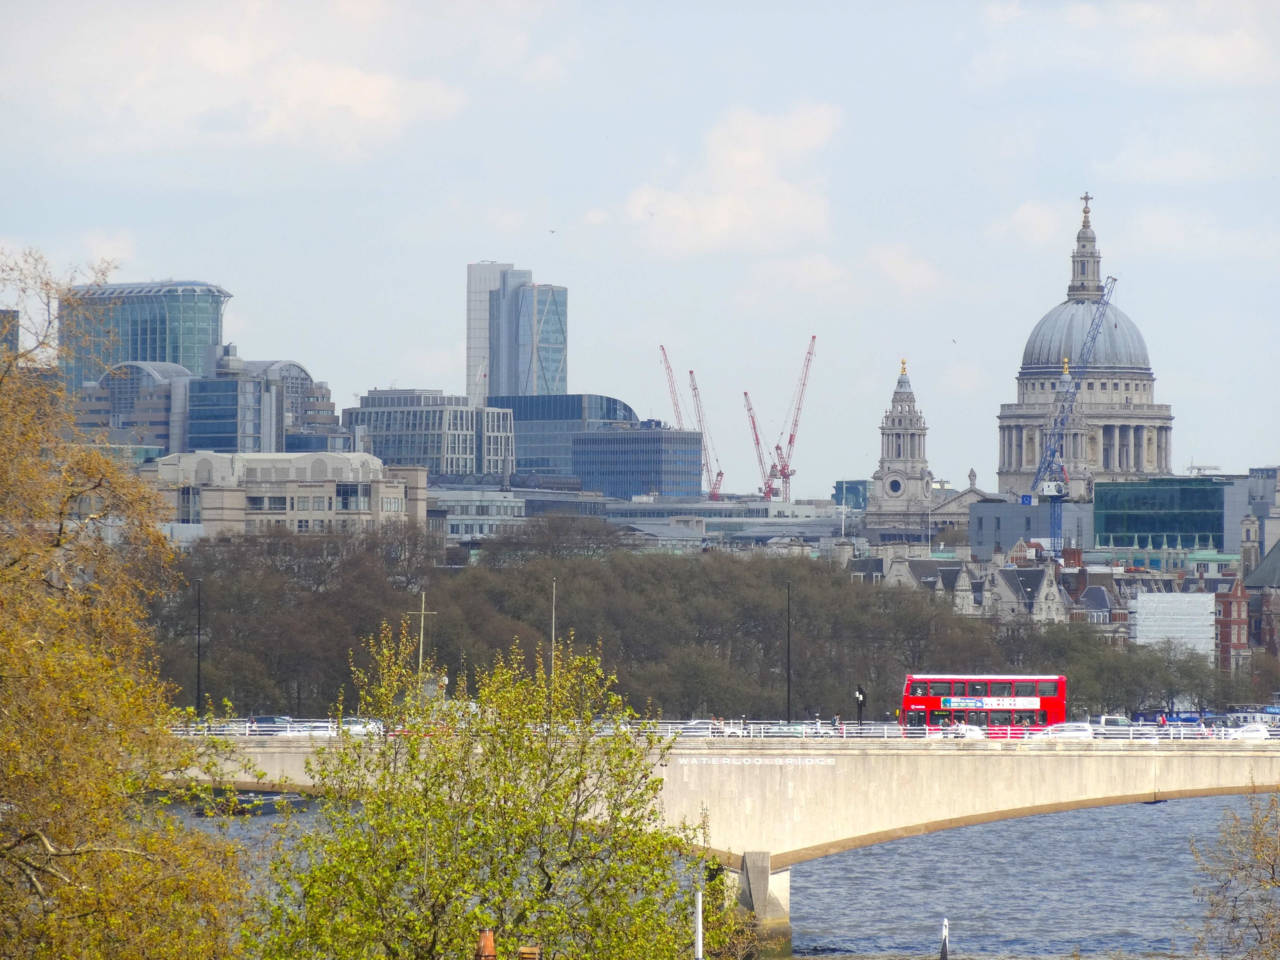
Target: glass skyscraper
{"x":649,"y":459}
{"x":523,"y":348}
{"x":170,"y":321}
{"x":545,"y":427}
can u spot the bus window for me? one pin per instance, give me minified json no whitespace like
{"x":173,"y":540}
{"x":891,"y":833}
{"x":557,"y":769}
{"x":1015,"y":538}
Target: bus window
{"x":940,"y":688}
{"x":915,"y":718}
{"x":1000,"y":718}
{"x":1024,"y":688}
{"x":1044,"y":718}
{"x":977,"y":688}
{"x":957,"y":688}
{"x":1047,"y":688}
{"x":1001,"y":688}
{"x":919,"y":688}
{"x":1024,"y":718}
{"x":939,"y":718}
{"x":977,"y":717}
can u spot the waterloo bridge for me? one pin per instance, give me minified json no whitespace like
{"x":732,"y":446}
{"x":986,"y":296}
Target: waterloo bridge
{"x":769,"y":805}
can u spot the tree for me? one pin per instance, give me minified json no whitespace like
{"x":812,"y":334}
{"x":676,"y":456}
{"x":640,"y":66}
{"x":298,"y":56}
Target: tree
{"x":532,"y":810}
{"x":90,"y":865}
{"x":1242,"y":884}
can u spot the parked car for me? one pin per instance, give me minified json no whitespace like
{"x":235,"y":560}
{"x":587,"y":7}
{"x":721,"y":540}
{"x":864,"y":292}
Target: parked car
{"x":1064,"y":731}
{"x":268,"y":726}
{"x":965,"y":731}
{"x":1122,"y":728}
{"x":361,"y":726}
{"x":1250,"y":731}
{"x":709,"y":728}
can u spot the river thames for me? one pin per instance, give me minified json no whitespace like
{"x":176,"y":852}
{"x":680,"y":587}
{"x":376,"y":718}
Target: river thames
{"x":1111,"y":881}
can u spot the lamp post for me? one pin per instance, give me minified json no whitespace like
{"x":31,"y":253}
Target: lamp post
{"x":788,"y":651}
{"x":553,"y":628}
{"x":422,"y":613}
{"x":199,"y":612}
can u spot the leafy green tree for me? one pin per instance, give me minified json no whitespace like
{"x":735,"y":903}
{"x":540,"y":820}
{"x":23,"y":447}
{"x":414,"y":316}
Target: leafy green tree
{"x":532,"y":809}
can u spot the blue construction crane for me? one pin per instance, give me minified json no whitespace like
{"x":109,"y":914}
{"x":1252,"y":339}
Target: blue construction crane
{"x":1051,"y":480}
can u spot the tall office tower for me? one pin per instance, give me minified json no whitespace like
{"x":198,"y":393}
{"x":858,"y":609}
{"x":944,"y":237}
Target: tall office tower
{"x":482,"y":278}
{"x":517,"y":333}
{"x":166,"y":322}
{"x":528,"y":337}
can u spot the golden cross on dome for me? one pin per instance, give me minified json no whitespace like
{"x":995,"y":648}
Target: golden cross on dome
{"x":904,"y":366}
{"x":1066,"y":366}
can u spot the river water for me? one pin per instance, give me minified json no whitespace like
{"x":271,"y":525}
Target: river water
{"x":1110,"y":881}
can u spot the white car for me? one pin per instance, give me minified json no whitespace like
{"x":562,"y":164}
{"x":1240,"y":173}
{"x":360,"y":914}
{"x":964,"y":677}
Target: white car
{"x":1250,"y":731}
{"x":1064,"y":731}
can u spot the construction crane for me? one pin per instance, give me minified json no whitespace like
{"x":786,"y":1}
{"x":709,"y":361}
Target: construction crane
{"x":783,"y":457}
{"x":708,"y":448}
{"x":767,"y":474}
{"x":671,"y":385}
{"x":1051,"y":480}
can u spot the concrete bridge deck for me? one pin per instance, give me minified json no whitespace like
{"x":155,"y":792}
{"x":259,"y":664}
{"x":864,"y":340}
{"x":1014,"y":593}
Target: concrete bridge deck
{"x":772,"y":804}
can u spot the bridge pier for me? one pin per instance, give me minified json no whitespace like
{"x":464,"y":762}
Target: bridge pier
{"x":767,"y":893}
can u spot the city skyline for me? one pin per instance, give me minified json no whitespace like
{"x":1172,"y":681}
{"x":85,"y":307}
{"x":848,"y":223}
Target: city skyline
{"x":724,"y":181}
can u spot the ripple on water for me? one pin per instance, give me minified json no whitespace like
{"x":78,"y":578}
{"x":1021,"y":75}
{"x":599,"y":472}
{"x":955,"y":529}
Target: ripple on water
{"x":1117,"y":881}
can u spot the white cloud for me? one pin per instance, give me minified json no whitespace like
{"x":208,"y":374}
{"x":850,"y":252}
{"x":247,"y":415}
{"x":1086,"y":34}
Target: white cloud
{"x":264,"y":74}
{"x":116,"y":246}
{"x":911,"y":274}
{"x":745,"y":195}
{"x":1198,"y":159}
{"x":813,"y":276}
{"x":1181,"y":233}
{"x":596,"y":216}
{"x":505,"y":219}
{"x":1037,"y":224}
{"x":1232,"y":57}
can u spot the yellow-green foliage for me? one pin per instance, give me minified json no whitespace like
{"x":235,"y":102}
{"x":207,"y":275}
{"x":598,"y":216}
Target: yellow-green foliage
{"x":529,"y":805}
{"x":90,"y":865}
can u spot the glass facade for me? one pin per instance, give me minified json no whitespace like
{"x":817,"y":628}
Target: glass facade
{"x":445,"y":434}
{"x":528,"y":336}
{"x":1168,"y":513}
{"x":169,"y":322}
{"x":233,"y":416}
{"x":545,"y":427}
{"x":626,"y":463}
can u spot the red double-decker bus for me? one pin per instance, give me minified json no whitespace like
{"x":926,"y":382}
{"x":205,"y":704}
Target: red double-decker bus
{"x":1001,"y":704}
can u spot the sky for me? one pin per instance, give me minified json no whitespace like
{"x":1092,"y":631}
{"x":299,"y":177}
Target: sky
{"x":900,"y":180}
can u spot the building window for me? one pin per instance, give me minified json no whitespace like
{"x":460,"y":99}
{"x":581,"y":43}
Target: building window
{"x":276,"y":504}
{"x":1104,"y":385}
{"x":255,"y":503}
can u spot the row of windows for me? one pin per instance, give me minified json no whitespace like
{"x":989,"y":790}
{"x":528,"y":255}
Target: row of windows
{"x":1137,"y":386}
{"x":479,"y":529}
{"x":350,"y":496}
{"x":979,"y":718}
{"x":307,"y":526}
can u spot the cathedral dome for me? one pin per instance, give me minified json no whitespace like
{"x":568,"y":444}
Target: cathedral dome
{"x":1060,"y":334}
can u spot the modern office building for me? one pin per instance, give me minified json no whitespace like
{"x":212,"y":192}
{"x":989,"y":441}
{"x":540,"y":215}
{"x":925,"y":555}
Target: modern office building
{"x":447,"y":434}
{"x":212,"y":494}
{"x":649,"y":458}
{"x":482,"y":278}
{"x":517,"y":333}
{"x":166,"y":322}
{"x":545,"y":427}
{"x":996,"y":525}
{"x":1118,"y":432}
{"x":137,"y":404}
{"x":10,"y":330}
{"x":1178,"y":514}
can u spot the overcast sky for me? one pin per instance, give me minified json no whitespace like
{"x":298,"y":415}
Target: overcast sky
{"x":727,"y":179}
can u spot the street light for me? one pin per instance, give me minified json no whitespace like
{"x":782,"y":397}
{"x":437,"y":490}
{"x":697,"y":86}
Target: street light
{"x":788,"y":651}
{"x":423,"y":613}
{"x":199,"y":611}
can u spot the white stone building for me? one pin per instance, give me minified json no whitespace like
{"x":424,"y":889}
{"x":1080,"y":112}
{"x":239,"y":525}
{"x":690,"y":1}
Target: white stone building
{"x":1118,"y":431}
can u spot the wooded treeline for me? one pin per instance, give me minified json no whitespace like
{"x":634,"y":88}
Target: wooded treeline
{"x":693,"y":635}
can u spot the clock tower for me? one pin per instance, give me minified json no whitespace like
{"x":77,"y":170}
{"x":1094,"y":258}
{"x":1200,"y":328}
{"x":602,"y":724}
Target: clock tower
{"x":902,"y":487}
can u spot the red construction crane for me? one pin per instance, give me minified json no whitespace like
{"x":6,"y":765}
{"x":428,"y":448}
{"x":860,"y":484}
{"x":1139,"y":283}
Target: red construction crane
{"x":767,"y":474}
{"x":671,"y":385}
{"x":708,"y":448}
{"x":785,"y":470}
